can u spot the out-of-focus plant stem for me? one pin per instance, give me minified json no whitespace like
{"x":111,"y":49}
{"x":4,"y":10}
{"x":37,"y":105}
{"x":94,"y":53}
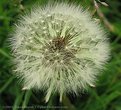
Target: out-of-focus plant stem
{"x":102,"y":17}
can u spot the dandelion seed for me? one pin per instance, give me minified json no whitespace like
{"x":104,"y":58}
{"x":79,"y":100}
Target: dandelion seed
{"x":45,"y":32}
{"x":57,"y":31}
{"x":71,"y":46}
{"x":42,"y":21}
{"x":46,"y":50}
{"x":53,"y":22}
{"x":48,"y":15}
{"x":61,"y":61}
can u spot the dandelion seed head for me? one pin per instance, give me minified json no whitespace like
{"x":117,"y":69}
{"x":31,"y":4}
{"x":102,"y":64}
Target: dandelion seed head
{"x":59,"y":51}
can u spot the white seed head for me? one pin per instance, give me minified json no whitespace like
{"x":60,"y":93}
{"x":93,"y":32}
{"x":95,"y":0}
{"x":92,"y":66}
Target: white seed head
{"x":72,"y":48}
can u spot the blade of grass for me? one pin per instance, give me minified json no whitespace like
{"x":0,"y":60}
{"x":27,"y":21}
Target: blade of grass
{"x":26,"y":99}
{"x":6,"y":84}
{"x":110,"y":97}
{"x":18,"y":101}
{"x":4,"y":53}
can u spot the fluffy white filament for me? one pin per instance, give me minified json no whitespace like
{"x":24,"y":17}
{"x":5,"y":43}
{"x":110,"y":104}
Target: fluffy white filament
{"x":59,"y":48}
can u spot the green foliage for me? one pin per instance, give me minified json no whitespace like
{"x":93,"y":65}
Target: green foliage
{"x":105,"y":96}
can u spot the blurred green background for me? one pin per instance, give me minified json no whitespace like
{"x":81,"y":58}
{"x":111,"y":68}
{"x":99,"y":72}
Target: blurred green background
{"x":107,"y":93}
